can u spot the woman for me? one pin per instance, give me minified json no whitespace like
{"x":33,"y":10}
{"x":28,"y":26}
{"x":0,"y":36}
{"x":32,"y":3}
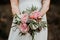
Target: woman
{"x":18,"y":7}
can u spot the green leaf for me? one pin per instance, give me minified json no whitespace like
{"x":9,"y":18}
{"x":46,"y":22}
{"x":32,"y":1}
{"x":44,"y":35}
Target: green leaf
{"x":30,"y":25}
{"x":43,"y":24}
{"x":33,"y":8}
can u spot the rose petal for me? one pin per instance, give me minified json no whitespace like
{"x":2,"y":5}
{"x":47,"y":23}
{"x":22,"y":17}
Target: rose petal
{"x":23,"y":28}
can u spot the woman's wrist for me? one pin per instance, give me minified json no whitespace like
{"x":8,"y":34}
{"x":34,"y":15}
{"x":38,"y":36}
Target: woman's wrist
{"x":42,"y":13}
{"x":14,"y":13}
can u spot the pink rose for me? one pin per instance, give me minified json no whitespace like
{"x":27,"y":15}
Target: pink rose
{"x":24,"y":18}
{"x":35,"y":15}
{"x":24,"y":28}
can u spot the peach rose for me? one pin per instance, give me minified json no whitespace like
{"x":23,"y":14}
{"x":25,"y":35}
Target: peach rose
{"x":35,"y":15}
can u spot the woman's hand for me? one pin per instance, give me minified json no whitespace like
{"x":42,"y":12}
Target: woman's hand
{"x":45,"y":7}
{"x":15,"y":10}
{"x":14,"y":6}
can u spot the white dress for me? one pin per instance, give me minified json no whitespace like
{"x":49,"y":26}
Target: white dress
{"x":14,"y":32}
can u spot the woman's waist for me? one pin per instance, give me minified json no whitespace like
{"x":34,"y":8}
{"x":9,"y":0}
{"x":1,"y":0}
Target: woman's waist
{"x":29,"y":1}
{"x":26,"y":5}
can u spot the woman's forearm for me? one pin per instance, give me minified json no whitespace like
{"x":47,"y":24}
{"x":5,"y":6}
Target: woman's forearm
{"x":45,"y":7}
{"x":14,"y":6}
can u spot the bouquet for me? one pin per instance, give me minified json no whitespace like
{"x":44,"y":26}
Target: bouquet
{"x":29,"y":22}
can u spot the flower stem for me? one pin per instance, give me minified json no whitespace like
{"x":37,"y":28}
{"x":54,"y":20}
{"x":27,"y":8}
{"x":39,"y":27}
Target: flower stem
{"x":33,"y":35}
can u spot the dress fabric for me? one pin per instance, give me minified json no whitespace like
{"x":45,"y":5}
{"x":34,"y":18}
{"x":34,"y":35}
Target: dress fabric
{"x":14,"y":32}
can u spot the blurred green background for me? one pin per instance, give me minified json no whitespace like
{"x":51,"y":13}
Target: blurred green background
{"x":53,"y":18}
